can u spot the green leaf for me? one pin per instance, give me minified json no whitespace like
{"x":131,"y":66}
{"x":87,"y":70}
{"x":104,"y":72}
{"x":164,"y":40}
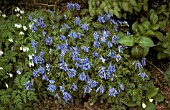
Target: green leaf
{"x":155,"y":27}
{"x":127,"y":40}
{"x":130,"y":104}
{"x":141,"y":28}
{"x":111,"y":11}
{"x":117,"y":13}
{"x":125,"y":6}
{"x":159,"y":97}
{"x":149,"y":33}
{"x":152,"y":91}
{"x":145,"y":42}
{"x":160,"y":36}
{"x":150,"y":106}
{"x":145,"y":51}
{"x":146,"y":24}
{"x":154,"y":18}
{"x":134,"y":26}
{"x":133,"y":2}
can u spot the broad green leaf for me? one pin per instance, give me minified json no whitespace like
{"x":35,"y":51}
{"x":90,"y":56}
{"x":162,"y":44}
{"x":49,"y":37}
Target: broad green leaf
{"x":145,"y":42}
{"x":103,"y":4}
{"x":151,"y":92}
{"x":141,"y":28}
{"x":149,"y":33}
{"x":145,"y":7}
{"x":146,"y":24}
{"x":111,"y":11}
{"x":125,"y":6}
{"x":159,"y":35}
{"x":117,"y":13}
{"x":154,"y":18}
{"x":130,"y":104}
{"x":145,"y":51}
{"x":133,"y":2}
{"x":159,"y":97}
{"x":150,"y":106}
{"x":127,"y":40}
{"x":134,"y":26}
{"x":155,"y":27}
{"x":106,"y":9}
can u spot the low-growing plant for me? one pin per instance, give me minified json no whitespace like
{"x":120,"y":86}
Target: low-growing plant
{"x":71,"y":55}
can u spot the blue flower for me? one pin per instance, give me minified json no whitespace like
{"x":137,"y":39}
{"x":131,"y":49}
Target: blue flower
{"x":96,"y":35}
{"x":19,"y":71}
{"x":96,"y":44}
{"x":77,"y":6}
{"x":95,"y":54}
{"x":66,"y":96}
{"x":109,"y":43}
{"x":112,"y":92}
{"x":62,"y":37}
{"x":111,"y":54}
{"x":92,"y":83}
{"x":100,"y":89}
{"x":112,"y":69}
{"x":143,"y":61}
{"x":63,"y":66}
{"x":28,"y":85}
{"x":34,"y":45}
{"x":118,"y":57}
{"x":44,"y":77}
{"x":87,"y":89}
{"x":57,"y":96}
{"x":62,"y":89}
{"x":82,"y":77}
{"x":73,"y":87}
{"x":120,"y":49}
{"x":71,"y":73}
{"x":84,"y":27}
{"x":101,"y":19}
{"x":38,"y":60}
{"x":105,"y":33}
{"x":41,"y":70}
{"x":85,"y":48}
{"x":77,"y":21}
{"x":30,"y":18}
{"x":112,"y":21}
{"x":115,"y":39}
{"x":122,"y":87}
{"x":107,"y":16}
{"x":48,"y":41}
{"x":51,"y":88}
{"x":103,"y":39}
{"x":33,"y":28}
{"x":143,"y":75}
{"x":35,"y":73}
{"x":70,"y":6}
{"x":42,"y":53}
{"x":44,"y":33}
{"x":40,"y":22}
{"x":103,"y":73}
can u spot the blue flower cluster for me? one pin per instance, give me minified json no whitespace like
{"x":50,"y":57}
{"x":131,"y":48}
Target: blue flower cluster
{"x":73,"y":6}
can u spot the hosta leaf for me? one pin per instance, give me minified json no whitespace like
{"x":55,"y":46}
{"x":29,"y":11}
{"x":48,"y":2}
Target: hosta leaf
{"x":145,"y":42}
{"x":146,"y":24}
{"x":133,"y":2}
{"x":150,"y":106}
{"x":149,"y":33}
{"x":141,"y":28}
{"x":155,"y":27}
{"x":125,"y":6}
{"x":154,"y":18}
{"x":117,"y":13}
{"x":145,"y":51}
{"x":127,"y":40}
{"x":159,"y":35}
{"x":134,"y":26}
{"x":152,"y":91}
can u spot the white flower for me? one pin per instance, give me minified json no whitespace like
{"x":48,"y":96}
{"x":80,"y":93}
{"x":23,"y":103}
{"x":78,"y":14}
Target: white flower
{"x":4,"y":15}
{"x":30,"y":56}
{"x":17,"y":14}
{"x":25,"y":28}
{"x":143,"y":105}
{"x":22,"y":11}
{"x":25,"y":49}
{"x":1,"y":68}
{"x":10,"y":75}
{"x":17,"y":9}
{"x":0,"y":11}
{"x":31,"y":63}
{"x":18,"y":25}
{"x":1,"y":53}
{"x":11,"y":40}
{"x":6,"y":85}
{"x":150,"y":100}
{"x":20,"y":48}
{"x":21,"y":33}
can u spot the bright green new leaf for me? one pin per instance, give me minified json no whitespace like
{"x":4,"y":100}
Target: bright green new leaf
{"x":145,"y":51}
{"x":125,"y":6}
{"x":150,"y":33}
{"x":127,"y":40}
{"x":111,"y":11}
{"x":151,"y":92}
{"x":154,"y":18}
{"x":146,"y":24}
{"x":155,"y":27}
{"x":145,"y":42}
{"x":133,"y":2}
{"x":134,"y":26}
{"x":117,"y":13}
{"x":159,"y":35}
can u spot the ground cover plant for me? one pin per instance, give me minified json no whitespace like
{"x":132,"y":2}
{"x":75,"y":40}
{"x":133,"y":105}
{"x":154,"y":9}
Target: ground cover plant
{"x":81,"y":53}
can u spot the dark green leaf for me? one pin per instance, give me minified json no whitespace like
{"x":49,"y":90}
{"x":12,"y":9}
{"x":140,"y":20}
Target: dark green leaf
{"x":152,"y":91}
{"x":154,"y":18}
{"x":145,"y":42}
{"x":159,"y":97}
{"x":150,"y":106}
{"x":127,"y":40}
